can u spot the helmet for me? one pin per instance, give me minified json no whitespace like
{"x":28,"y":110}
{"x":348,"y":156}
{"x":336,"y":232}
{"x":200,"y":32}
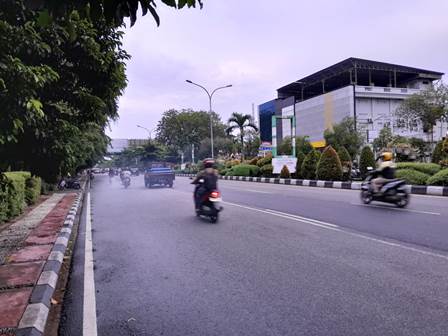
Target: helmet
{"x":208,"y":163}
{"x":386,"y":156}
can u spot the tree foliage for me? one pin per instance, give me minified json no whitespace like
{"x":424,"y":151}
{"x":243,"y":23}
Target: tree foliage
{"x":300,"y":158}
{"x":284,"y":173}
{"x":366,"y":160}
{"x":309,"y":165}
{"x":346,"y":163}
{"x":329,"y":167}
{"x":344,"y":134}
{"x":242,"y":123}
{"x":383,"y":140}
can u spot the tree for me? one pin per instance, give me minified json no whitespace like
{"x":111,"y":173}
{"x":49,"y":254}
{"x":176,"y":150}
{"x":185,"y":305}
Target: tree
{"x":437,"y":154}
{"x":284,"y":173}
{"x":346,"y":162}
{"x":329,"y":167}
{"x":285,"y":146}
{"x":383,"y":140}
{"x":309,"y":165}
{"x":344,"y":134}
{"x":240,"y":122}
{"x":303,"y":144}
{"x":425,"y":108}
{"x":224,"y":146}
{"x":300,"y":159}
{"x":366,"y":160}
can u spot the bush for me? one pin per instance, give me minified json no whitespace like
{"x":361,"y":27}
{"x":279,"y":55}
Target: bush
{"x":439,"y":179}
{"x":243,"y":170}
{"x":32,"y":191}
{"x":254,"y":161}
{"x":346,"y":163}
{"x":47,"y":188}
{"x":284,"y":173}
{"x":264,"y":161}
{"x":300,"y":159}
{"x":231,"y":163}
{"x":366,"y":160}
{"x":427,"y":168}
{"x":266,"y":170}
{"x":412,"y":176}
{"x":309,"y":165}
{"x":329,"y":167}
{"x":4,"y":192}
{"x":437,"y":154}
{"x":16,"y":193}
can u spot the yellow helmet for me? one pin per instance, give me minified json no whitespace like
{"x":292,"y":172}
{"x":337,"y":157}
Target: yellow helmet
{"x":386,"y":156}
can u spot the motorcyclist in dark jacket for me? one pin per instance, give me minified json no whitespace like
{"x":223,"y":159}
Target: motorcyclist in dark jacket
{"x":210,"y":177}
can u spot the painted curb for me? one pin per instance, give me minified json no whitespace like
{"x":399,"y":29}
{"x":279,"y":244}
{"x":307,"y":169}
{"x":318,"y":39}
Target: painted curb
{"x":36,"y":313}
{"x":414,"y":189}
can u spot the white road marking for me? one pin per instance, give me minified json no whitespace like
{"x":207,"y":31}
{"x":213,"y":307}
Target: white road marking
{"x":249,"y":190}
{"x":89,"y":327}
{"x":397,"y":209}
{"x":338,"y":229}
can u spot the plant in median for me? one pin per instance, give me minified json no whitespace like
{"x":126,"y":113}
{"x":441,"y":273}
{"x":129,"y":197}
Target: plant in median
{"x":309,"y":165}
{"x":266,"y":170}
{"x":300,"y":159}
{"x":412,"y":176}
{"x":243,"y":170}
{"x":427,"y":168}
{"x":264,"y":161}
{"x":329,"y":167}
{"x":346,"y":162}
{"x":284,"y":173}
{"x":439,"y":179}
{"x":437,"y":154}
{"x":366,"y":160}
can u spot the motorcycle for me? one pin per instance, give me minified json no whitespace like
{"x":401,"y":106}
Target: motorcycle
{"x":126,"y":182}
{"x":208,"y":203}
{"x":392,"y":191}
{"x":69,"y":183}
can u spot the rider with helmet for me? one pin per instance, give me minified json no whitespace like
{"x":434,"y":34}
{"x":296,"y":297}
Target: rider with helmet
{"x":385,"y":171}
{"x":210,"y":177}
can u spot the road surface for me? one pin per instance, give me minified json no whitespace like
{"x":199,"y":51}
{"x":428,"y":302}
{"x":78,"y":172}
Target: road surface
{"x":283,"y":260}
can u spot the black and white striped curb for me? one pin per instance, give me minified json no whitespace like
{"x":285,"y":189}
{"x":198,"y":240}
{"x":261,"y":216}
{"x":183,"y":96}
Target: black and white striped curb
{"x":413,"y":189}
{"x":36,"y":313}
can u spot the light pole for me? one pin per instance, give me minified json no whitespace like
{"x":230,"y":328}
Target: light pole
{"x":210,"y":96}
{"x":149,"y":131}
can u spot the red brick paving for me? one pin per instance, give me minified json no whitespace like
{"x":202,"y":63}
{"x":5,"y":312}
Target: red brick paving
{"x":31,"y":253}
{"x":23,"y":274}
{"x":13,"y":305}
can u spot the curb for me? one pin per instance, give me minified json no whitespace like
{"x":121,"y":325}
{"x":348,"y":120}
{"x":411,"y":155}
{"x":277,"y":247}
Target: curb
{"x":413,"y":189}
{"x":35,"y":317}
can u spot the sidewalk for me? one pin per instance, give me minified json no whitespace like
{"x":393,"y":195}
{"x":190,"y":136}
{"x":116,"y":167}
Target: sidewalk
{"x":28,"y":263}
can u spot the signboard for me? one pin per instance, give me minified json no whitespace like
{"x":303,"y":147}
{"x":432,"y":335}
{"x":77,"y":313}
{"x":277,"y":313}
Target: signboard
{"x":265,"y":146}
{"x":280,"y":161}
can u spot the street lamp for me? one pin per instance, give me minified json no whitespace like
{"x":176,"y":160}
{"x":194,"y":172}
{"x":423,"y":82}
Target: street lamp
{"x":149,"y":131}
{"x":210,"y":96}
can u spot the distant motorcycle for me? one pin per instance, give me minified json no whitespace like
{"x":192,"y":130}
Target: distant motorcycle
{"x":126,"y":182}
{"x":208,"y":203}
{"x":69,"y":183}
{"x":393,"y":191}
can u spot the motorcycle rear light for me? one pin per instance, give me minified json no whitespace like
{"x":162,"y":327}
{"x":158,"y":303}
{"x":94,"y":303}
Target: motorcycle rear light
{"x":214,"y":194}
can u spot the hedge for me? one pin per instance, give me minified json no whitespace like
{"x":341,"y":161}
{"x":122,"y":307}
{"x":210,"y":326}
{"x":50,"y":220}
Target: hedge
{"x":266,"y":170}
{"x":309,"y":165}
{"x":244,"y":170}
{"x":439,"y":179}
{"x":412,"y":176}
{"x":32,"y":189}
{"x":264,"y":161}
{"x":329,"y":167}
{"x":427,"y":168}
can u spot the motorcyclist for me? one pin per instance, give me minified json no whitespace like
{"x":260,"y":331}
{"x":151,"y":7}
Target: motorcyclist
{"x":385,"y":171}
{"x":125,"y":173}
{"x":210,"y":177}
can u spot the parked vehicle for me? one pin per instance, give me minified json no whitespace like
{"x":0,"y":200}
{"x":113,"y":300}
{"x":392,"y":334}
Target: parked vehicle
{"x":208,"y":203}
{"x":392,"y":191}
{"x":157,"y":175}
{"x":69,"y":183}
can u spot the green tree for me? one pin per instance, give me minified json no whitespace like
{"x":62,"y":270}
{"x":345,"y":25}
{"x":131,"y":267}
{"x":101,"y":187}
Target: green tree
{"x":345,"y":134}
{"x":303,"y":144}
{"x":329,"y":167}
{"x":284,"y":173}
{"x":425,"y":108}
{"x":242,"y":123}
{"x":309,"y":165}
{"x":300,"y":159}
{"x":437,"y":154}
{"x":366,"y":160}
{"x":285,"y":146}
{"x":383,"y":140}
{"x":346,"y":163}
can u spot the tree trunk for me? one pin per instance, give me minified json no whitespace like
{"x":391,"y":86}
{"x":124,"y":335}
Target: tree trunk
{"x":242,"y":142}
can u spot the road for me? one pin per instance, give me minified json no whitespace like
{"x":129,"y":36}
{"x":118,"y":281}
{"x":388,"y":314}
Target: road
{"x":283,"y":260}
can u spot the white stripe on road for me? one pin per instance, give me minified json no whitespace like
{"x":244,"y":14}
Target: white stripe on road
{"x":397,"y":209}
{"x":249,"y":190}
{"x":334,"y":227}
{"x":89,"y":327}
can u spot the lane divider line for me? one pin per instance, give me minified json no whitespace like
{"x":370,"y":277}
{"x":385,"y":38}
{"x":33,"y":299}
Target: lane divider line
{"x":334,"y":227}
{"x":89,"y":327}
{"x":397,"y":209}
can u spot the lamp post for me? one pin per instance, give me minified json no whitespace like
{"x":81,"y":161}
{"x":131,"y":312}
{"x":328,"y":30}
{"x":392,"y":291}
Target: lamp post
{"x":210,"y":96}
{"x":149,"y":131}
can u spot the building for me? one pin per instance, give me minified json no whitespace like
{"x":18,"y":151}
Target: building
{"x":119,"y":145}
{"x":368,"y":91}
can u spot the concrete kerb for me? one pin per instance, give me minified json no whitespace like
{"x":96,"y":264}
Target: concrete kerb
{"x":36,"y":313}
{"x":413,"y":189}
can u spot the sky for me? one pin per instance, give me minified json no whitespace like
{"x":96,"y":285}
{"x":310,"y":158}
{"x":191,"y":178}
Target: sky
{"x":261,"y":45}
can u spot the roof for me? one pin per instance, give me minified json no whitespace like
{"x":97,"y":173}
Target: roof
{"x":362,"y":66}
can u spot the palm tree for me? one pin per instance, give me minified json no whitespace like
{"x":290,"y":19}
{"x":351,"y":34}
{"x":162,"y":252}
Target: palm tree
{"x":241,"y":122}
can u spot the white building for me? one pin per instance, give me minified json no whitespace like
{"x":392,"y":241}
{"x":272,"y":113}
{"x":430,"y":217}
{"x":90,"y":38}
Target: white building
{"x":367,"y":91}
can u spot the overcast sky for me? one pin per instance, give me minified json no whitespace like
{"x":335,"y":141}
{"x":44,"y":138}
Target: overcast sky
{"x":261,"y":45}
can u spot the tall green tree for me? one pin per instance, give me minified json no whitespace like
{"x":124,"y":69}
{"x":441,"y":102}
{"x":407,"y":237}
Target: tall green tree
{"x":344,"y":134}
{"x":366,"y":160}
{"x":241,"y":123}
{"x":383,"y":140}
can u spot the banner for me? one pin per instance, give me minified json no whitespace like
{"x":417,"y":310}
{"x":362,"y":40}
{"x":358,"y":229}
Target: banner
{"x":281,"y":161}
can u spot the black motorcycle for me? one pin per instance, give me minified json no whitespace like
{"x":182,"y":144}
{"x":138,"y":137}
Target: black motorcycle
{"x":69,"y":183}
{"x":208,"y":202}
{"x":392,"y":191}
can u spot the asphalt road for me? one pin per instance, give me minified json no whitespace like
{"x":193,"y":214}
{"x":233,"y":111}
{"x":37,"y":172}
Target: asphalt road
{"x":283,"y":260}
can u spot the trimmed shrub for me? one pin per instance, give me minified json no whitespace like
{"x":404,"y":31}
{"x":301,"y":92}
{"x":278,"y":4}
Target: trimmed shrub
{"x":266,"y":170}
{"x":264,"y":161}
{"x":366,"y":160}
{"x":309,"y":165}
{"x":4,"y":193}
{"x":329,"y":167}
{"x":243,"y":170}
{"x":231,"y":163}
{"x":427,"y":168}
{"x":32,"y":191}
{"x":284,"y":173}
{"x":412,"y":176}
{"x":439,"y":179}
{"x":300,"y":158}
{"x":346,"y":163}
{"x":254,"y":161}
{"x":16,"y":193}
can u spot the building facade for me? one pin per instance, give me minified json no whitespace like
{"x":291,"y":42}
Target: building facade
{"x":367,"y":91}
